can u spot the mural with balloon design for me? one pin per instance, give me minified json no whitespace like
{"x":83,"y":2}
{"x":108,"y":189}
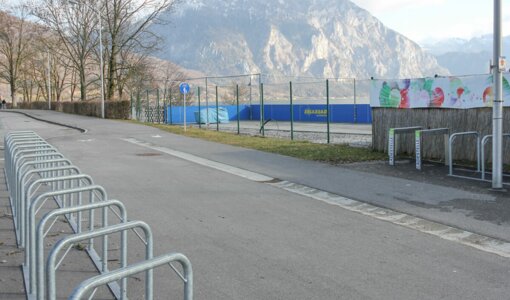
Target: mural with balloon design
{"x":439,"y":92}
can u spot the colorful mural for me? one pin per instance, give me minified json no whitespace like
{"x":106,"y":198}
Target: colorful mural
{"x":444,"y":92}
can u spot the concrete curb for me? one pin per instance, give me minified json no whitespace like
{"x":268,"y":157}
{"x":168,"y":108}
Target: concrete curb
{"x":47,"y":121}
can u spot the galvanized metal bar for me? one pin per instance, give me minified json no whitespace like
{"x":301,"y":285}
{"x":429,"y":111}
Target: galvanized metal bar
{"x":497,"y":107}
{"x":485,"y":139}
{"x":327,"y":111}
{"x":291,"y":112}
{"x":28,"y":192}
{"x":50,"y":264}
{"x":238,"y":116}
{"x":40,"y":235}
{"x":217,"y":112}
{"x":262,"y":109}
{"x":419,"y":139}
{"x":199,"y":114}
{"x":85,"y":287}
{"x":450,"y":148}
{"x":393,"y":140}
{"x":33,"y":204}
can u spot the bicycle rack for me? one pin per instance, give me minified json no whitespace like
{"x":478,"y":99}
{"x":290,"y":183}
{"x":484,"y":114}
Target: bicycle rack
{"x":419,"y":134}
{"x":36,"y":172}
{"x":450,"y":152}
{"x":41,"y":233}
{"x":393,"y":140}
{"x":485,"y":139}
{"x":68,"y":242}
{"x":95,"y":282}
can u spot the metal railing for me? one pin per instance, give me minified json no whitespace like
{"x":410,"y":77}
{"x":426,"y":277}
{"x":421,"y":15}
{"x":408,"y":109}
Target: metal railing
{"x":91,"y":285}
{"x":450,"y":151}
{"x":419,"y":134}
{"x":485,"y":139}
{"x":37,"y":172}
{"x":393,"y":140}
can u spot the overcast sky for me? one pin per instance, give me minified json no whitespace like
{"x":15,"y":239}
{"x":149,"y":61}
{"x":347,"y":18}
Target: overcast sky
{"x":421,"y":20}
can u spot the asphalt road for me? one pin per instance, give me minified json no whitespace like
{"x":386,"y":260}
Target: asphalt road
{"x":253,"y":240}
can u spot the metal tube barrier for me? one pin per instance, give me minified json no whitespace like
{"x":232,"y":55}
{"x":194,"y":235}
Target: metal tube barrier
{"x":15,"y":192}
{"x":35,"y":172}
{"x":393,"y":140}
{"x":29,"y":192}
{"x":55,"y":214}
{"x":85,"y":287}
{"x":485,"y":139}
{"x":419,"y":139}
{"x":29,"y":269}
{"x":450,"y":151}
{"x":72,"y":239}
{"x":14,"y":198}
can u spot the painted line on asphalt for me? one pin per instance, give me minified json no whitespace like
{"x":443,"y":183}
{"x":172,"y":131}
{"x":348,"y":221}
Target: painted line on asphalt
{"x":474,"y":240}
{"x":205,"y":162}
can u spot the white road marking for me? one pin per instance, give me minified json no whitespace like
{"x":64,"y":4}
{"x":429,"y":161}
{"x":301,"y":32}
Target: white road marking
{"x":480,"y":242}
{"x":156,"y":136}
{"x":205,"y":162}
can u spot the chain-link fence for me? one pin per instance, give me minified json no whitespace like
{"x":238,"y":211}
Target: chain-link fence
{"x":288,"y":107}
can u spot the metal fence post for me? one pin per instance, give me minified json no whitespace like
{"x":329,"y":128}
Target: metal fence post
{"x":158,"y":114}
{"x":262,"y":109}
{"x":199,"y":113}
{"x":355,"y":103}
{"x":291,"y":112}
{"x":238,"y":117}
{"x":147,"y":113}
{"x":170,"y":106}
{"x":138,"y":105}
{"x":327,"y":109}
{"x":217,"y":112}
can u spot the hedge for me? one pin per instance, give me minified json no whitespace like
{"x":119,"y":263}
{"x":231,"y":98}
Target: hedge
{"x":113,"y":109}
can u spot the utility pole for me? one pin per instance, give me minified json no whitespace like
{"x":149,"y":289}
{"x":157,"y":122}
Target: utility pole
{"x":497,"y":107}
{"x":49,"y":80}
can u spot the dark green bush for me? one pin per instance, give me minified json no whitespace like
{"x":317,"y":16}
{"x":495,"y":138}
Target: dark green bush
{"x":113,"y":109}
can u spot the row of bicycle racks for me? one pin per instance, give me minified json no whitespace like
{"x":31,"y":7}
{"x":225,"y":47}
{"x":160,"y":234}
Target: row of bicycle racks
{"x":40,"y":179}
{"x":449,"y":139}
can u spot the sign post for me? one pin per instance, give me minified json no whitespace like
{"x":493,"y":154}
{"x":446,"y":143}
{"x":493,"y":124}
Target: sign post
{"x":184,"y":88}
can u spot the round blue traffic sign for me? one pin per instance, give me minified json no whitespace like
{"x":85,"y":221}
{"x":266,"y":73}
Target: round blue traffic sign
{"x":184,"y":88}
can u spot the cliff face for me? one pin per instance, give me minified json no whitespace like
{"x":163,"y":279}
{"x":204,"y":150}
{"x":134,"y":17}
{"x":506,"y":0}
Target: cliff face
{"x":322,"y":38}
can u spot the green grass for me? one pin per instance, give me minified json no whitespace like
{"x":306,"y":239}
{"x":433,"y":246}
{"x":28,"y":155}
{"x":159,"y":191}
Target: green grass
{"x":334,"y":154}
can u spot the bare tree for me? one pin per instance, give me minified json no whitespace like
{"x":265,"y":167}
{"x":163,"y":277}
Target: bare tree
{"x":14,"y":45}
{"x":75,"y":24}
{"x":127,"y":32}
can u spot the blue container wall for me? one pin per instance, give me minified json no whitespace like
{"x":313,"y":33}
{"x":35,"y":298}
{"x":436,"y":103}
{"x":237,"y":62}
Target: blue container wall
{"x":178,"y":115}
{"x":339,"y":113}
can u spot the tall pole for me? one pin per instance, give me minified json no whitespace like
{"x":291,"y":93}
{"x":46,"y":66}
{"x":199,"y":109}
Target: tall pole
{"x":327,"y":110}
{"x":251,"y":114}
{"x":291,"y":112}
{"x":98,"y":10}
{"x":497,"y":108}
{"x":184,"y":105}
{"x":206,"y":104}
{"x":49,"y":81}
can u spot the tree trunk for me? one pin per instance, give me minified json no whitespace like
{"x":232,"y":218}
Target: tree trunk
{"x":83,"y":85}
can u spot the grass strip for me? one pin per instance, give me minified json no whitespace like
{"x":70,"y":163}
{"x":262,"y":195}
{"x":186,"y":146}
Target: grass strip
{"x":332,"y":153}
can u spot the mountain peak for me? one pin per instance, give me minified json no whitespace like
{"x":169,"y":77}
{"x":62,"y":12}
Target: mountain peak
{"x":321,"y":38}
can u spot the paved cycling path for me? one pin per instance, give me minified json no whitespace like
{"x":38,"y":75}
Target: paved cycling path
{"x":259,"y":234}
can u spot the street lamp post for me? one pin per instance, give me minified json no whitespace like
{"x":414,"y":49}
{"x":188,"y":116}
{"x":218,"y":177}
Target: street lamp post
{"x":497,"y":108}
{"x":101,"y":75}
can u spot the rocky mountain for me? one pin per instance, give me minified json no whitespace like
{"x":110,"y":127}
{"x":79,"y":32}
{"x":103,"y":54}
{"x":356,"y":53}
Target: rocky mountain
{"x":463,"y":57}
{"x":321,"y":38}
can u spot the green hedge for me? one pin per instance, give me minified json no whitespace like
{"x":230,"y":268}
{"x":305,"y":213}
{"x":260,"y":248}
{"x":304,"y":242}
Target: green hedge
{"x":113,"y":109}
